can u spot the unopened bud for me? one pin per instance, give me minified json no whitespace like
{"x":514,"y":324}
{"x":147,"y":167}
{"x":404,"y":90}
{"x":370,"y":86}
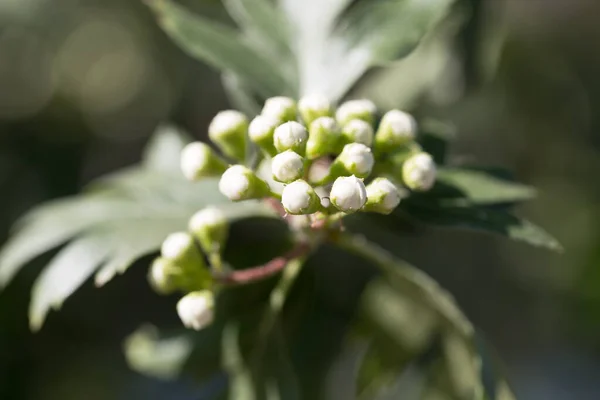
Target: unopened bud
{"x":356,"y":109}
{"x":261,"y":131}
{"x":240,"y":183}
{"x":300,"y":198}
{"x":291,"y":136}
{"x":395,"y":129}
{"x":164,"y":276}
{"x":348,"y":194}
{"x":211,"y":228}
{"x":355,"y":159}
{"x":198,"y":160}
{"x":196,"y":309}
{"x":418,"y":172}
{"x":180,"y":248}
{"x":287,"y":166}
{"x":280,"y":108}
{"x":383,"y":196}
{"x":323,"y":137}
{"x":228,"y":131}
{"x":314,"y":106}
{"x":358,"y":131}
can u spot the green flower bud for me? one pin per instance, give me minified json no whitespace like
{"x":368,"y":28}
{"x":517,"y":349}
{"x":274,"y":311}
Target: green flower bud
{"x":299,"y":198}
{"x":323,"y":137}
{"x":196,"y":309}
{"x":419,"y":171}
{"x":198,"y":160}
{"x":280,"y":108}
{"x":211,"y":228}
{"x":383,"y":196}
{"x":358,"y":131}
{"x":228,"y":131}
{"x":291,"y":136}
{"x":356,"y":109}
{"x":396,"y":128}
{"x":261,"y":131}
{"x":287,"y":166}
{"x":240,"y":183}
{"x":348,"y":194}
{"x":314,"y":106}
{"x":180,"y":248}
{"x":164,"y":276}
{"x":355,"y":159}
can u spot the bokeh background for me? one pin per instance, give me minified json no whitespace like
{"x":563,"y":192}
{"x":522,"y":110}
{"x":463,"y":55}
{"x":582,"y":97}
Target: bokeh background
{"x":83,"y":84}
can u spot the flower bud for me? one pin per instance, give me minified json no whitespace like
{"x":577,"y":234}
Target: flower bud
{"x":314,"y":106}
{"x":323,"y":137}
{"x":356,"y":109}
{"x":287,"y":166}
{"x":358,"y":131}
{"x":228,"y":131}
{"x":355,"y":159}
{"x":280,"y":108}
{"x":180,"y":248}
{"x":382,"y":196}
{"x":211,"y":228}
{"x":164,"y":275}
{"x":418,"y":172}
{"x":196,"y":309}
{"x":395,"y":129}
{"x":348,"y":194}
{"x":300,"y":198}
{"x":290,"y":136}
{"x":240,"y":183}
{"x":261,"y":131}
{"x":198,"y":160}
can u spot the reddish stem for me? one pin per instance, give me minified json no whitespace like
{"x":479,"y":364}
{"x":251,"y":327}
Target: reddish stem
{"x":264,"y":271}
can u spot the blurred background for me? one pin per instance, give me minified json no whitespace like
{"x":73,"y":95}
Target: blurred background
{"x":83,"y":84}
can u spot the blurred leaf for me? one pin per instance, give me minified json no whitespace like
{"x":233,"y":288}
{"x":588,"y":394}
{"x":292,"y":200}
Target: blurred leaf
{"x":239,"y":95}
{"x":435,"y":136}
{"x":481,"y":187}
{"x":164,"y":148}
{"x":162,"y":357}
{"x":485,"y":220}
{"x":241,"y":385}
{"x":219,"y":46}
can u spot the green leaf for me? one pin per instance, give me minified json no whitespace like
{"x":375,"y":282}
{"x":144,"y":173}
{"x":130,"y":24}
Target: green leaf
{"x":219,"y":46}
{"x":485,"y":220}
{"x":481,"y":187}
{"x":164,"y":149}
{"x":65,"y":273}
{"x":239,"y":94}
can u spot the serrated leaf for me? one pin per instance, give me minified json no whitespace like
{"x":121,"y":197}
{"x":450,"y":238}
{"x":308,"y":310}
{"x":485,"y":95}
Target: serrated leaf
{"x":219,"y":46}
{"x":65,"y":273}
{"x":481,"y":187}
{"x":485,"y":220}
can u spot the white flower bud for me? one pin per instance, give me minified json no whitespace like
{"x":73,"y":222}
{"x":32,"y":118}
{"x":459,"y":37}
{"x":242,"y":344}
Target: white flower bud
{"x":210,"y":227}
{"x":358,"y":131}
{"x":261,"y":131}
{"x":383,"y":196}
{"x":356,"y":109}
{"x":300,"y":198}
{"x":198,"y":160}
{"x":287,"y":166}
{"x":314,"y":106}
{"x":280,"y":108}
{"x":323,"y":137}
{"x":240,"y":183}
{"x":348,"y":194}
{"x":419,"y":172}
{"x":164,"y":275}
{"x":228,"y":131}
{"x":355,"y":159}
{"x":196,"y":309}
{"x":395,"y":129}
{"x":176,"y":245}
{"x":291,"y":136}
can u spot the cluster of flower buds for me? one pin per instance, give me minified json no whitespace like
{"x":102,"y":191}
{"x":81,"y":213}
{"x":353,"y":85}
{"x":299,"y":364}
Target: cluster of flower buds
{"x":327,"y":160}
{"x":182,"y":265}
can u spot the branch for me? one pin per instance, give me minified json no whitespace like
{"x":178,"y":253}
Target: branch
{"x":263,"y":271}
